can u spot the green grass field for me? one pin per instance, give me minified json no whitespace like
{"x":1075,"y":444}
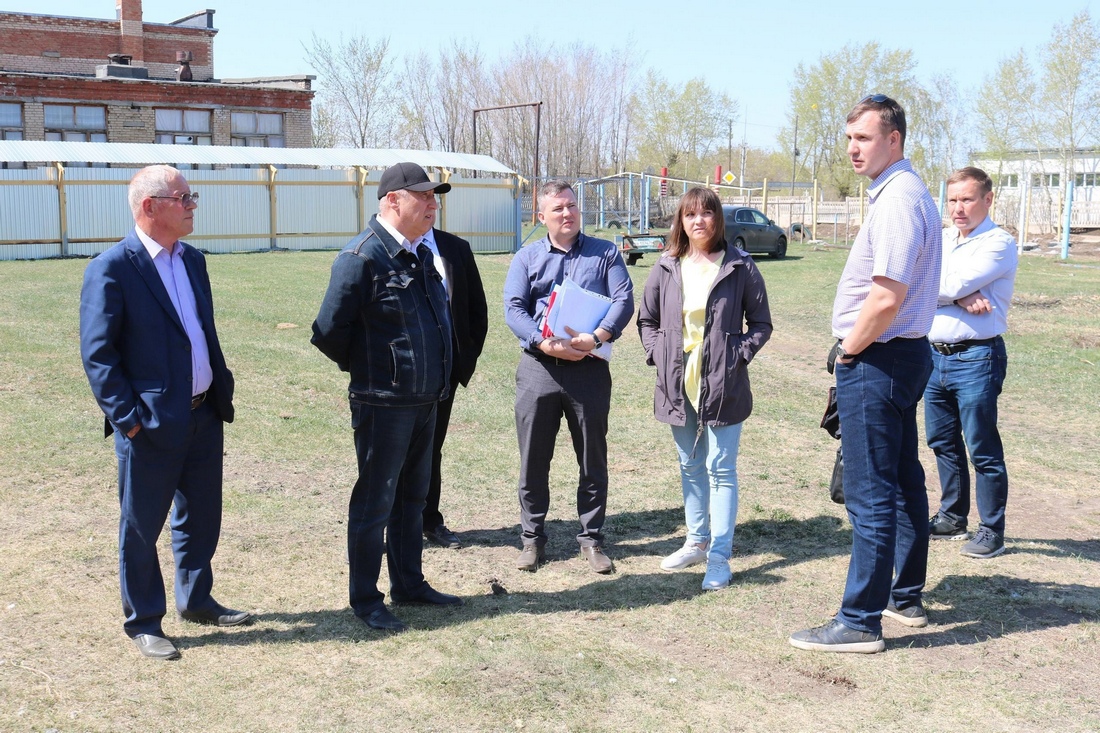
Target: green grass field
{"x":1014,"y":643}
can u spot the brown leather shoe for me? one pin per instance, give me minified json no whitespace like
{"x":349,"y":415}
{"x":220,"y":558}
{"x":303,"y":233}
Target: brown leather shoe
{"x":599,"y":562}
{"x":531,"y":557}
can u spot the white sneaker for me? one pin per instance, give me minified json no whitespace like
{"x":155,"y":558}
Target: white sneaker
{"x":688,"y":555}
{"x":718,"y":574}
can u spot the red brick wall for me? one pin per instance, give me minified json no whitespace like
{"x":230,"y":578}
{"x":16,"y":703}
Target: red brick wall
{"x":83,"y":43}
{"x":18,"y":87}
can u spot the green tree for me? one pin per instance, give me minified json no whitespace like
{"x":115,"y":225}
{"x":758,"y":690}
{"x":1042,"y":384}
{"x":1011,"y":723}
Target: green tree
{"x":1070,"y":89}
{"x":824,"y":93}
{"x":680,"y":127}
{"x":1005,"y":111}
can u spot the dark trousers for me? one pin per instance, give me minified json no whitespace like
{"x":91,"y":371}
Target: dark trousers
{"x":884,"y":492}
{"x":960,"y":415}
{"x":393,"y":446}
{"x":547,"y":389}
{"x":151,"y":478}
{"x":432,"y":516}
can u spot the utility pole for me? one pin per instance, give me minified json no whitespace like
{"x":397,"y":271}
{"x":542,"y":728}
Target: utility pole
{"x":794,"y":158}
{"x":538,"y":128}
{"x":744,"y":150}
{"x":729,"y":149}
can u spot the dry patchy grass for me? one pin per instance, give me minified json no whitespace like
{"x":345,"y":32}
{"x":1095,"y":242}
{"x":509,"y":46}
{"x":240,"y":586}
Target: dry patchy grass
{"x":1013,"y":646}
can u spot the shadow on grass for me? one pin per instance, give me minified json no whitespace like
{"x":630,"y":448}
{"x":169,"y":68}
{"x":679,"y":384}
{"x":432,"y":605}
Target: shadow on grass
{"x":1083,"y":549}
{"x":783,"y":541}
{"x":631,"y":534}
{"x":990,"y":607}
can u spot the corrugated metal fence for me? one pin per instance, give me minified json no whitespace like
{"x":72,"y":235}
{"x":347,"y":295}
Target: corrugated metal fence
{"x":47,"y":212}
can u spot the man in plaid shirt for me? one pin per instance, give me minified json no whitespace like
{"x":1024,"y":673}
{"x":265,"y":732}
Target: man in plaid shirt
{"x":884,"y":306}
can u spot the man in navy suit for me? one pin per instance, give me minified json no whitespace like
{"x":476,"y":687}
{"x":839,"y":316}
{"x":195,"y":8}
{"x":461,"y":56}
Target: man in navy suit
{"x":469,"y":325}
{"x":155,"y":366}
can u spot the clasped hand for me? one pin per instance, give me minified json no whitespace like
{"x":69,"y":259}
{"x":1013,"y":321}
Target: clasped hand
{"x":575,"y":348}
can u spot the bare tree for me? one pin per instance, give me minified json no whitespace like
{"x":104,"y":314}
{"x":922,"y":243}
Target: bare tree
{"x":325,"y":133}
{"x":437,"y":98}
{"x":356,"y":87}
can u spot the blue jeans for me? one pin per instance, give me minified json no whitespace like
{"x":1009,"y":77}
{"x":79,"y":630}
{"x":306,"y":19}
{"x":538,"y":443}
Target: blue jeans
{"x":708,"y":477}
{"x":884,"y":492}
{"x":960,"y":414}
{"x":385,"y":514}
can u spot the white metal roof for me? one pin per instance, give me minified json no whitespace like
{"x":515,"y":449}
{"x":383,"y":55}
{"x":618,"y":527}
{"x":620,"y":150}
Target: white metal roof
{"x":148,"y":154}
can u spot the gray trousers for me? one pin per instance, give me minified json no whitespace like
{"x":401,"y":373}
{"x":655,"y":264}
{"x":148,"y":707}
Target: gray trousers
{"x":546,"y":389}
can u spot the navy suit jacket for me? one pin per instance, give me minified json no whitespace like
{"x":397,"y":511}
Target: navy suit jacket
{"x":469,"y":312}
{"x":135,"y":351}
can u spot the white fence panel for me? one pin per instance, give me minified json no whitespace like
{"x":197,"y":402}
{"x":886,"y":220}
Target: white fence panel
{"x":314,"y":209}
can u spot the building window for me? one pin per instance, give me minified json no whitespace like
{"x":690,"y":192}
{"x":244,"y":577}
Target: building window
{"x":1086,"y":179}
{"x":1009,"y":180}
{"x":11,"y":127}
{"x":184,"y":127}
{"x":1051,"y":180}
{"x":76,"y":123}
{"x":257,"y":130}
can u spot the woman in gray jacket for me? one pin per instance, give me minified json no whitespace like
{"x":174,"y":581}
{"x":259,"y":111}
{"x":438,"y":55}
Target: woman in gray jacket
{"x":703,"y":317}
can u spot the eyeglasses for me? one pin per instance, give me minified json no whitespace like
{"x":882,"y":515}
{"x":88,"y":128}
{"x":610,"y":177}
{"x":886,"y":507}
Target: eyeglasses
{"x":876,"y":98}
{"x":183,"y":198}
{"x":422,"y":195}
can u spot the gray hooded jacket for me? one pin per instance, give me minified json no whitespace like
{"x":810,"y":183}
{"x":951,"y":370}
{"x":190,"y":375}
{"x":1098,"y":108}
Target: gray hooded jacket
{"x":738,"y":324}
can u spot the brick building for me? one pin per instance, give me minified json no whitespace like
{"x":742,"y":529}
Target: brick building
{"x":129,"y":80}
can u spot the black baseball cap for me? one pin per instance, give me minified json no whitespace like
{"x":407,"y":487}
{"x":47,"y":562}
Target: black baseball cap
{"x":410,"y":177}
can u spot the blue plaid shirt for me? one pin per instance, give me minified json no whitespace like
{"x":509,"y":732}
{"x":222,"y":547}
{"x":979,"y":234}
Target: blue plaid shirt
{"x":900,"y":240}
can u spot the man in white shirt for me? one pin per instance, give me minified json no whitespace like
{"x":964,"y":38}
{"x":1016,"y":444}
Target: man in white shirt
{"x":969,"y":365}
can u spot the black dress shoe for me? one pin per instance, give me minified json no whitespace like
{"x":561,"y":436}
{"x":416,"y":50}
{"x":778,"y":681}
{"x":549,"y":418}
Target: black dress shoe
{"x":156,"y":647}
{"x":428,"y":596}
{"x":383,"y":620}
{"x":443,"y":537}
{"x":218,"y":615}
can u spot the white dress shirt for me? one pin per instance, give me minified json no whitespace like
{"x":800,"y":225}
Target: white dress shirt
{"x":984,"y":262}
{"x":173,"y":273}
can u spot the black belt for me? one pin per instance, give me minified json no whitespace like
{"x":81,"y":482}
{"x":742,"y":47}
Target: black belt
{"x":949,"y":349}
{"x":552,"y":360}
{"x":198,"y":400}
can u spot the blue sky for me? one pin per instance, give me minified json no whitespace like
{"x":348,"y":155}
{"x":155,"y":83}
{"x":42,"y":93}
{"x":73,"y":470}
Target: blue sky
{"x":748,"y":50}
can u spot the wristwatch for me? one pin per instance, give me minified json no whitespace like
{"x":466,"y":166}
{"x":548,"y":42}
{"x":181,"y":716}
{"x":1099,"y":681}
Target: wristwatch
{"x":596,"y":343}
{"x":841,"y":353}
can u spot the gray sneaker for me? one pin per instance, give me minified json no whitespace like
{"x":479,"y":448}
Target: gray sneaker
{"x":913,"y":616}
{"x":986,"y":544}
{"x":942,"y":528}
{"x":836,"y":637}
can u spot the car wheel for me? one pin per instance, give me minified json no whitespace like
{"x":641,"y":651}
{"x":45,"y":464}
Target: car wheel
{"x":780,"y":248}
{"x":740,"y":244}
{"x":633,"y":258}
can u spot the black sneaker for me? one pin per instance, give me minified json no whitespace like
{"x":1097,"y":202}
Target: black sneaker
{"x":913,"y":616}
{"x":836,"y":637}
{"x":986,"y":544}
{"x":443,"y":537}
{"x":941,"y":528}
